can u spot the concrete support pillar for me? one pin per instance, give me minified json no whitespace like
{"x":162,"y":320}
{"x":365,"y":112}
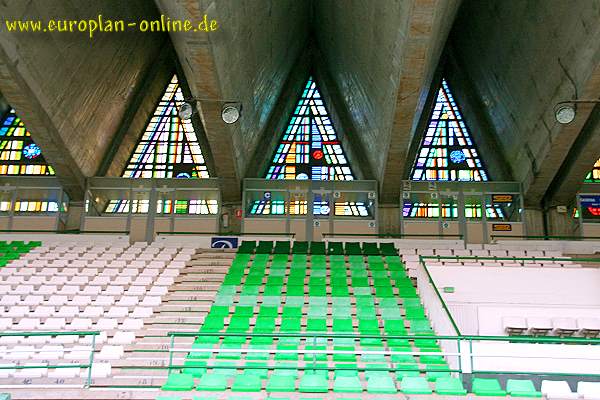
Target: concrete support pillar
{"x":560,"y":223}
{"x":389,"y":218}
{"x":534,"y":221}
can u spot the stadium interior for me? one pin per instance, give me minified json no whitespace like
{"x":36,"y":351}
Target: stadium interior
{"x":312,"y":199}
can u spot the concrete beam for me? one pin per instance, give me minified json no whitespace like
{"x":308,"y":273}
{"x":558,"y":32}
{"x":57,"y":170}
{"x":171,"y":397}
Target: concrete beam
{"x":72,"y":91}
{"x":248,"y":59}
{"x":383,"y":74}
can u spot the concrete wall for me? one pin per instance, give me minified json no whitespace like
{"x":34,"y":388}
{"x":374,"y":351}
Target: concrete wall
{"x":72,"y":91}
{"x":510,"y":51}
{"x":254,"y":52}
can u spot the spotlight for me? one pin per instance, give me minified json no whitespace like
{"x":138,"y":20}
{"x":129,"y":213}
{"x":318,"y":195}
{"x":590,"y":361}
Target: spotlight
{"x":231,"y":112}
{"x":565,"y":113}
{"x":185,"y":111}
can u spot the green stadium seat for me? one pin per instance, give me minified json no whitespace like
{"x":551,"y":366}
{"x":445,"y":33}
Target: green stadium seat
{"x":347,"y":384}
{"x":179,"y":382}
{"x":247,"y":247}
{"x":247,"y":383}
{"x":317,"y":248}
{"x":214,"y":382}
{"x":388,"y":249}
{"x":487,"y":387}
{"x":381,"y":385}
{"x":195,"y":368}
{"x":521,"y":388}
{"x":414,"y":385}
{"x":282,"y":247}
{"x":335,"y":248}
{"x":264,"y":247}
{"x":370,"y":249}
{"x":449,"y":387}
{"x":313,"y":383}
{"x":281,"y":383}
{"x":300,"y":248}
{"x":352,"y":249}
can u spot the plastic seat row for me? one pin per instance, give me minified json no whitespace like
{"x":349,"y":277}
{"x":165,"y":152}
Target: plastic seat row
{"x":318,"y":248}
{"x":541,"y":326}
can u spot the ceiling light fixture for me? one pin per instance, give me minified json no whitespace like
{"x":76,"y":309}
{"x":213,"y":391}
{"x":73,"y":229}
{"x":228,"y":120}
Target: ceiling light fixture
{"x":565,"y":111}
{"x":230,"y":112}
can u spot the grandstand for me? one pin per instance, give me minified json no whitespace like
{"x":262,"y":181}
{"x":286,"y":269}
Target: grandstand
{"x":299,"y":199}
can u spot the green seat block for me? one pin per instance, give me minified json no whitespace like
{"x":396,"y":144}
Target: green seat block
{"x":247,"y":247}
{"x":243,"y":311}
{"x":370,"y":249}
{"x":353,"y":248}
{"x":316,"y":325}
{"x":287,"y":355}
{"x":342,"y":325}
{"x":415,"y":312}
{"x":315,"y":356}
{"x":295,"y":290}
{"x":449,"y":387}
{"x":402,"y":373}
{"x":407,"y":292}
{"x":257,"y":368}
{"x":317,"y":248}
{"x":282,"y":247}
{"x":213,"y":382}
{"x":340,"y":291}
{"x":381,"y":384}
{"x":404,"y":359}
{"x":320,"y":291}
{"x":388,"y":249}
{"x":433,"y":376}
{"x":195,"y":368}
{"x":394,"y":327}
{"x":335,"y":248}
{"x":368,"y":326}
{"x":259,"y":355}
{"x":313,"y":383}
{"x":229,"y":355}
{"x":347,"y":384}
{"x":432,"y":359}
{"x":414,"y":385}
{"x":264,"y":325}
{"x":290,"y":325}
{"x":300,"y":247}
{"x":264,"y":247}
{"x":281,"y":383}
{"x":179,"y":382}
{"x":344,"y":356}
{"x":247,"y":383}
{"x":420,"y":327}
{"x":268,"y":311}
{"x":195,"y":354}
{"x":487,"y":387}
{"x":521,"y":388}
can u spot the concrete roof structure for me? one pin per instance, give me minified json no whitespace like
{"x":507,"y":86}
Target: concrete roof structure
{"x":379,"y":62}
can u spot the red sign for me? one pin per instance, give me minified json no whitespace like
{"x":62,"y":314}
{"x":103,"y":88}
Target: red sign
{"x":317,"y":154}
{"x":238,"y":214}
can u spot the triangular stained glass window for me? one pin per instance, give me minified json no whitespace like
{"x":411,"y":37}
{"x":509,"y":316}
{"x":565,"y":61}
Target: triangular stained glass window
{"x":309,"y":148}
{"x":168,"y":148}
{"x":19,"y":155}
{"x":594,"y":175}
{"x":447,"y":152}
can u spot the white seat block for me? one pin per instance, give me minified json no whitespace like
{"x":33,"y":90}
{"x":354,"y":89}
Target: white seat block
{"x":122,"y":338}
{"x":110,"y":352}
{"x":589,"y":390}
{"x":81,"y":324}
{"x":99,"y":370}
{"x":558,"y":390}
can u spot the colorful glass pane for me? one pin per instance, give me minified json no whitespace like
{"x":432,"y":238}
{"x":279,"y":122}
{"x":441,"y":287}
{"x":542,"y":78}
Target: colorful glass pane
{"x":594,"y":175}
{"x":19,"y":155}
{"x":447,"y":152}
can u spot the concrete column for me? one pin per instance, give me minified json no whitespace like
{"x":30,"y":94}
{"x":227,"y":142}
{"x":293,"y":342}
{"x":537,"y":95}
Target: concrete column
{"x":534,"y":221}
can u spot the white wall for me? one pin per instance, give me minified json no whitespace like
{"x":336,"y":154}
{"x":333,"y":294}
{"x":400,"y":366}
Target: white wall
{"x":483,"y":295}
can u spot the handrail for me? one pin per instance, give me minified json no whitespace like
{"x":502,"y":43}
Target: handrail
{"x":292,"y":234}
{"x":310,"y":335}
{"x":396,"y":235}
{"x":582,"y":259}
{"x":50,"y":333}
{"x":547,"y":237}
{"x":64,"y":232}
{"x":439,"y":296}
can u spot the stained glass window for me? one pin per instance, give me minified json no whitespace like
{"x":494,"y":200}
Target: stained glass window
{"x":594,"y":175}
{"x":309,"y":149}
{"x":19,"y":155}
{"x":447,"y":152}
{"x":168,"y":148}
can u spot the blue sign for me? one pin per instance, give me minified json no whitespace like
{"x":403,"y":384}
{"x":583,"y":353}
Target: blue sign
{"x":224,"y":243}
{"x":590,"y":201}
